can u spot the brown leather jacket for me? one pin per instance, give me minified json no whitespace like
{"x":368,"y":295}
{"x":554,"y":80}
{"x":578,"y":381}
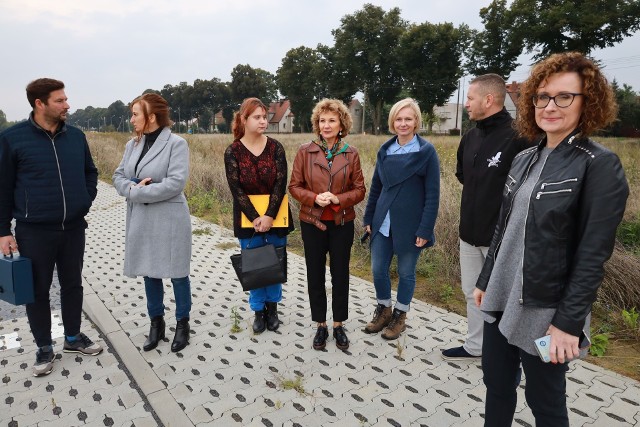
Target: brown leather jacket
{"x":311,"y":176}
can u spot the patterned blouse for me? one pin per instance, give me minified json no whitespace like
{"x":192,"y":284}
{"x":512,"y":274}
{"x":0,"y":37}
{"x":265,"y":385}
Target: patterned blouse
{"x":249,"y":174}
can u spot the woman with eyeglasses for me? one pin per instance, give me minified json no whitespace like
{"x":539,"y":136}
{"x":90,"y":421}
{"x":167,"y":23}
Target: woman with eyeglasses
{"x":562,"y":203}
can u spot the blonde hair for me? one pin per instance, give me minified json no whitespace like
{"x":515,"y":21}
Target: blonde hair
{"x":333,"y":106}
{"x":395,"y":110}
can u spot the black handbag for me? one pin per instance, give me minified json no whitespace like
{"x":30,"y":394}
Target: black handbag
{"x":16,"y":280}
{"x":260,"y":267}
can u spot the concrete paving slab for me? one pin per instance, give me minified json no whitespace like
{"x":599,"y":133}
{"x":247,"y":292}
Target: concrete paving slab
{"x":226,"y":378}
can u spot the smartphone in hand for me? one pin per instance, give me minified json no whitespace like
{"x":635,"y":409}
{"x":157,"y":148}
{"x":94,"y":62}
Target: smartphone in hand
{"x":364,"y":237}
{"x":542,"y":345}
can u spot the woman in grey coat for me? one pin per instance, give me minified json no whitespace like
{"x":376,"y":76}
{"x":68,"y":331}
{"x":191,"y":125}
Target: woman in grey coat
{"x":152,"y":176}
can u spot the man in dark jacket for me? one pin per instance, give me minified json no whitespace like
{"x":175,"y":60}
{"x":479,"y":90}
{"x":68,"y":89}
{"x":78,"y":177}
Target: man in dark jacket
{"x":47,"y":184}
{"x":484,"y":158}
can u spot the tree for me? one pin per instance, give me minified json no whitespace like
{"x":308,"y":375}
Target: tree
{"x":271,"y":94}
{"x":365,"y":54}
{"x":118,"y":114}
{"x":249,"y":82}
{"x":297,"y":80}
{"x":497,"y":47}
{"x":331,"y":77}
{"x":628,"y":123}
{"x":548,"y":27}
{"x":431,"y":60}
{"x":3,"y":121}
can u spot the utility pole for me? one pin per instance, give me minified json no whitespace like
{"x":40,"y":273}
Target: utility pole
{"x":458,"y":104}
{"x":364,"y":97}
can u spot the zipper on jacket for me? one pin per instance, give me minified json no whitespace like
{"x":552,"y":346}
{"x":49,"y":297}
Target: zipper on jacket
{"x":544,"y":184}
{"x":540,"y":193}
{"x":55,"y":152}
{"x":344,"y":211}
{"x":521,"y":301}
{"x":26,"y":204}
{"x":506,"y":218}
{"x":510,"y":183}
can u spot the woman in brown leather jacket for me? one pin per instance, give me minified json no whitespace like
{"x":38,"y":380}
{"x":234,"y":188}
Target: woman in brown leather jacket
{"x":327,"y":181}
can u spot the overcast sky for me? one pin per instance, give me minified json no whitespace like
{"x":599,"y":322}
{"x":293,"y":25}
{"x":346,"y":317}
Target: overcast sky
{"x":110,"y":50}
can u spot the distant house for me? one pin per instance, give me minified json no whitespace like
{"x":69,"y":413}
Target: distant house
{"x":217,"y":121}
{"x":355,"y":108}
{"x":513,"y":92}
{"x":280,"y":117}
{"x":449,"y":116}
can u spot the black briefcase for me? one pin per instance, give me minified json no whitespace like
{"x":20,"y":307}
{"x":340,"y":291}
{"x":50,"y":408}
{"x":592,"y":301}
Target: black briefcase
{"x":16,"y":280}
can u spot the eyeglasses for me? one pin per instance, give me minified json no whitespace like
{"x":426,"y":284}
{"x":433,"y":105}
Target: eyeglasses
{"x":562,"y":100}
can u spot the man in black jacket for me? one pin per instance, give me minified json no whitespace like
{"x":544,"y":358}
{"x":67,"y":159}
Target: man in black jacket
{"x":47,"y":184}
{"x":484,"y":158}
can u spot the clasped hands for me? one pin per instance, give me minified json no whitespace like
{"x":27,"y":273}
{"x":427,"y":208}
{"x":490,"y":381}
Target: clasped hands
{"x":262,"y":224}
{"x":327,"y":198}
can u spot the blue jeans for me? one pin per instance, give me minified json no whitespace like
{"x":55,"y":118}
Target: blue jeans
{"x":271,"y":293}
{"x":155,"y":294}
{"x":381,"y":254}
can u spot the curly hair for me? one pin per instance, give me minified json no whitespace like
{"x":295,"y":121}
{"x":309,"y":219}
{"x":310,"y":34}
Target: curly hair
{"x":599,"y":109}
{"x":333,"y":106}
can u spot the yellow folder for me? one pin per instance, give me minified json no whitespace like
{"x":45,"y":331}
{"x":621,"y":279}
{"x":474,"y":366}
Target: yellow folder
{"x":261,"y":202}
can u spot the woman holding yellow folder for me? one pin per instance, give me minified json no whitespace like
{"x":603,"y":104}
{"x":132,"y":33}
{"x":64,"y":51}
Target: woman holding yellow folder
{"x":256,"y":164}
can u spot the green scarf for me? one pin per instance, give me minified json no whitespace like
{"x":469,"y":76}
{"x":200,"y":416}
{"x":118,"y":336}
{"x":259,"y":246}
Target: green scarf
{"x":338,"y":147}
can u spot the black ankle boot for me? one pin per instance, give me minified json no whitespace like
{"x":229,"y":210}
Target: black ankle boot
{"x":272,"y":316}
{"x":259,"y":324}
{"x":181,"y":339}
{"x":156,"y":333}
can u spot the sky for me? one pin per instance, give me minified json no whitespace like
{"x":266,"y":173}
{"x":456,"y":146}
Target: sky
{"x":113,"y":50}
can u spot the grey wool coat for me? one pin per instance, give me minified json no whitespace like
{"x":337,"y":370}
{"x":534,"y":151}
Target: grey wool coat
{"x":158,"y":227}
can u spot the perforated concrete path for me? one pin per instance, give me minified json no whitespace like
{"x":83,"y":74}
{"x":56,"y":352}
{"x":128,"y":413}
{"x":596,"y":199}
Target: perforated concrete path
{"x":224,"y":378}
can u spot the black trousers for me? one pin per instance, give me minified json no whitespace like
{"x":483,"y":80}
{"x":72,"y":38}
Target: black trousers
{"x":545,"y":383}
{"x":337,"y":241}
{"x":46,"y":249}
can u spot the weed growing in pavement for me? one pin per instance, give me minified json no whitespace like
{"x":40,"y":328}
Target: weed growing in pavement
{"x":202,"y":231}
{"x":296,"y":383}
{"x":226,"y":245}
{"x":400,"y":347}
{"x":235,"y":318}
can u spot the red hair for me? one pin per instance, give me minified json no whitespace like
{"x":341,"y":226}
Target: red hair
{"x":249,"y":105}
{"x":152,"y":103}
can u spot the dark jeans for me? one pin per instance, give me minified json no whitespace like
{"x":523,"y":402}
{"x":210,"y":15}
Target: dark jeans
{"x":155,"y":295}
{"x":337,"y":241}
{"x":47,"y":249}
{"x":545,"y":383}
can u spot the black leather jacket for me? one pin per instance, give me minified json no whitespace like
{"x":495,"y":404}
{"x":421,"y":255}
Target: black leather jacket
{"x":570,"y":229}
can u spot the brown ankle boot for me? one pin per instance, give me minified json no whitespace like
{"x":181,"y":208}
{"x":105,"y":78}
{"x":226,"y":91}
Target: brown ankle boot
{"x":381,"y":318}
{"x":396,"y":325}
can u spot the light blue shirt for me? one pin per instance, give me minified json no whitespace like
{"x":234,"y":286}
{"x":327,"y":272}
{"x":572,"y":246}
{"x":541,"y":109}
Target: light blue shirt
{"x":394,"y":149}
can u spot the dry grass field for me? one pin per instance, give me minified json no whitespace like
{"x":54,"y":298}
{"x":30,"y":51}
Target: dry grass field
{"x":438,"y":270}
